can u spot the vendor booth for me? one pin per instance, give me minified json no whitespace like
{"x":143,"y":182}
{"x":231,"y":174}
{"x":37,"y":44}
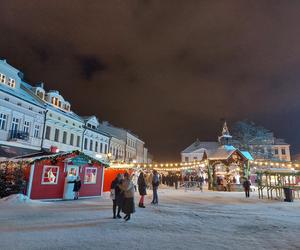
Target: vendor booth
{"x":51,"y":176}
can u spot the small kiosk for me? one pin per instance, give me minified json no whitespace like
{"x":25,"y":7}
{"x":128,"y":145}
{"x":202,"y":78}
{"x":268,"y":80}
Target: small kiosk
{"x":50,"y":176}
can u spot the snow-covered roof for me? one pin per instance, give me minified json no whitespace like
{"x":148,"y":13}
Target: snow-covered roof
{"x":46,"y":155}
{"x":220,"y":153}
{"x":21,"y":93}
{"x":208,"y":145}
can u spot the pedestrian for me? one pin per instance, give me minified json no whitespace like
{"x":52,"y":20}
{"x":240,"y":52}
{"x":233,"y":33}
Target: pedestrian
{"x":176,"y":181}
{"x":117,"y":196}
{"x":155,"y":184}
{"x":142,"y":189}
{"x":201,"y":181}
{"x":246,"y":186}
{"x":128,"y":204}
{"x":134,"y":181}
{"x":77,"y":186}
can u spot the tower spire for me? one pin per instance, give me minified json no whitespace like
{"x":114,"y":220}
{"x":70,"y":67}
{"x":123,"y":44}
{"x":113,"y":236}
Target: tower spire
{"x":225,"y":138}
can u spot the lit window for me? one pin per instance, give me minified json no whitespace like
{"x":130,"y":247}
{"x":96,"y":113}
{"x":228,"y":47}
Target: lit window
{"x":11,"y":82}
{"x":50,"y":175}
{"x":283,"y":151}
{"x":2,"y":78}
{"x":36,"y":132}
{"x":186,"y":159}
{"x":3,"y":119}
{"x":90,"y":176}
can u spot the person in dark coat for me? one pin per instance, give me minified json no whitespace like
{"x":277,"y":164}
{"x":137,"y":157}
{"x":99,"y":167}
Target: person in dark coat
{"x":246,"y":186}
{"x":128,"y":205}
{"x":76,"y":188}
{"x":155,"y":184}
{"x":142,"y":189}
{"x":117,"y":196}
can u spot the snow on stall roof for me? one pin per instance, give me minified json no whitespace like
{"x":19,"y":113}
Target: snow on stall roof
{"x":41,"y":155}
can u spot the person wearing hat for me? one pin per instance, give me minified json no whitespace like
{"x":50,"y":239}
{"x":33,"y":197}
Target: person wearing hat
{"x":117,"y":196}
{"x":128,"y":189}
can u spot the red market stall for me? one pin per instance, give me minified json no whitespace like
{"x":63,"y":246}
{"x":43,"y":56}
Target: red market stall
{"x":110,"y":174}
{"x":50,"y":176}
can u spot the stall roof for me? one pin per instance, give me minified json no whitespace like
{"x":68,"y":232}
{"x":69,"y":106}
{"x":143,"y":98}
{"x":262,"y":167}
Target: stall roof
{"x":46,"y":155}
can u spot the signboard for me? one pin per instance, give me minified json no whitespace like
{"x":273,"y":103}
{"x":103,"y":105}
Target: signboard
{"x":79,"y":161}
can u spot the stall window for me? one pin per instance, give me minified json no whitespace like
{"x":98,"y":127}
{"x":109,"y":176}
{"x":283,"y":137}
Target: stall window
{"x":90,"y":176}
{"x":50,"y":175}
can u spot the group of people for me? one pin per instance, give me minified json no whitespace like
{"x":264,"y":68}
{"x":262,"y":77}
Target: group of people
{"x":123,"y":190}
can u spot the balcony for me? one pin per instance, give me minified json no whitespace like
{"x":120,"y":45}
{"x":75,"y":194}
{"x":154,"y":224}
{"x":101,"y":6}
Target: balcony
{"x":15,"y":135}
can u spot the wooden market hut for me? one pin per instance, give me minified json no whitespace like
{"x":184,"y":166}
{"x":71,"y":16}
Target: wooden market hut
{"x":229,"y":157}
{"x":49,"y":176}
{"x":272,"y":182}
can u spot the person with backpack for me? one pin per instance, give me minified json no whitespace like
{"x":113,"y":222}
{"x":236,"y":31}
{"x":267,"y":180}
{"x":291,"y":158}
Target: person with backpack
{"x":142,"y":189}
{"x":155,"y":184}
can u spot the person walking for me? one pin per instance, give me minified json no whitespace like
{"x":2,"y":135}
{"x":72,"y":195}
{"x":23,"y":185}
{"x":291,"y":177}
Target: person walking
{"x":77,"y":186}
{"x":128,"y":204}
{"x":116,"y":194}
{"x":155,"y":184}
{"x":142,"y":189}
{"x":246,"y":186}
{"x":201,"y":181}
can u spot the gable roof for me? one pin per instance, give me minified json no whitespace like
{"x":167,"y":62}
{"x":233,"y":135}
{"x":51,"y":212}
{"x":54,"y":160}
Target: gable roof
{"x":208,"y":145}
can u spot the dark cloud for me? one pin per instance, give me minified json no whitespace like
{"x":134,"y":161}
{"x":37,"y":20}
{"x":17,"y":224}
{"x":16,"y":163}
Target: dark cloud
{"x":168,"y":70}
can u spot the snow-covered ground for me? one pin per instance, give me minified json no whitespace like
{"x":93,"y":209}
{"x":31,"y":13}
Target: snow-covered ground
{"x":182,"y":220}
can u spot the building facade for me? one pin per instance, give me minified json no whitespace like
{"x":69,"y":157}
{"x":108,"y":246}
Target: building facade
{"x":22,"y":115}
{"x":95,"y":141}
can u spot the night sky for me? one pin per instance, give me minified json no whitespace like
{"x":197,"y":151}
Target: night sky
{"x":167,"y":70}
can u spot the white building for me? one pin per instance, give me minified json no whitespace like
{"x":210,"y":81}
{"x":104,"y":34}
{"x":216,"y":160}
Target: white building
{"x":21,"y":114}
{"x":134,"y":147}
{"x":117,"y":149}
{"x":95,"y":141}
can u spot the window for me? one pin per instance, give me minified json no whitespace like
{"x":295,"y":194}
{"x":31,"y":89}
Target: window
{"x":186,"y":158}
{"x":85,"y":143}
{"x":276,"y":151}
{"x":71,"y":139}
{"x":105,"y":149}
{"x":48,"y":132}
{"x":36,"y":131}
{"x":78,"y":141}
{"x":195,"y":157}
{"x":96,"y":146}
{"x":64,"y":137}
{"x":283,"y":151}
{"x":50,"y":174}
{"x":3,"y":119}
{"x":11,"y":82}
{"x":2,"y":78}
{"x":91,"y":145}
{"x":101,"y":147}
{"x":56,"y":135}
{"x":15,"y":124}
{"x":90,"y":176}
{"x":26,"y":126}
